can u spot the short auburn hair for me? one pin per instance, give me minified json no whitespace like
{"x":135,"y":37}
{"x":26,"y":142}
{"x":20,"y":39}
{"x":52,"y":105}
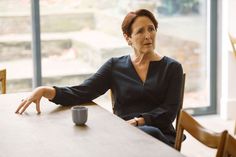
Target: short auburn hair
{"x":131,"y":17}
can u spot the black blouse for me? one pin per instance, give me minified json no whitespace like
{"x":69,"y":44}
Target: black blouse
{"x":156,"y":99}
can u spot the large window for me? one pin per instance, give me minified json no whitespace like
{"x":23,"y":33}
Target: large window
{"x":78,"y":36}
{"x":15,"y":44}
{"x":183,"y":35}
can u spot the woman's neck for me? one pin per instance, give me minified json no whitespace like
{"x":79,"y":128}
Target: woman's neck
{"x":140,"y":59}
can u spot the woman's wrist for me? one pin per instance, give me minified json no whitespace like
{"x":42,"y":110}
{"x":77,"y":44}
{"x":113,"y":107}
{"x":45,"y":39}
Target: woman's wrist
{"x":139,"y":121}
{"x":48,"y":92}
{"x":136,"y":120}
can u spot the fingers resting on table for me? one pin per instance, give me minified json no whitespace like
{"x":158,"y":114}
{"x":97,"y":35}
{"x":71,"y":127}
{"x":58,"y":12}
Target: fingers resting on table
{"x":26,"y":102}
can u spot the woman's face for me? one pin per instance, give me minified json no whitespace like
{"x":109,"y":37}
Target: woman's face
{"x":143,"y":35}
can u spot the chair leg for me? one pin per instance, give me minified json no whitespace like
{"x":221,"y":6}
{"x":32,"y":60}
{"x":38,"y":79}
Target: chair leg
{"x":235,"y":128}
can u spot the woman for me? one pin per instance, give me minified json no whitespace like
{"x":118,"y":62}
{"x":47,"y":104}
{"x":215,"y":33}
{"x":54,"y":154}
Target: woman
{"x":146,"y":85}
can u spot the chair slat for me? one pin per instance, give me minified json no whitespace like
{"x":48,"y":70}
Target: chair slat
{"x":3,"y":73}
{"x":203,"y":135}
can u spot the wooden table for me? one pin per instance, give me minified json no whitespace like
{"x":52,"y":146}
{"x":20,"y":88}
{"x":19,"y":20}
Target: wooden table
{"x":52,"y":133}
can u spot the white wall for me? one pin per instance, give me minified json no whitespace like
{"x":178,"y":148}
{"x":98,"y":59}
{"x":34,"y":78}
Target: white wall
{"x":226,"y":60}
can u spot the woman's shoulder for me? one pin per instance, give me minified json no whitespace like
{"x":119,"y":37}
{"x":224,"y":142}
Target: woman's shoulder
{"x":171,"y":61}
{"x":171,"y":64}
{"x":120,"y":59}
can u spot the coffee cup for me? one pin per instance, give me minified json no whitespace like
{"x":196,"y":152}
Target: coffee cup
{"x":79,"y":115}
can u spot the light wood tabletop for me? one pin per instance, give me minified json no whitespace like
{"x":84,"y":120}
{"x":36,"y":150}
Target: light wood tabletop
{"x":52,"y":133}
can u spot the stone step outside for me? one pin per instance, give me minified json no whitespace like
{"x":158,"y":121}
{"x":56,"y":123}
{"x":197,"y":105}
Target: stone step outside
{"x":86,"y":44}
{"x":64,"y":55}
{"x":53,"y":22}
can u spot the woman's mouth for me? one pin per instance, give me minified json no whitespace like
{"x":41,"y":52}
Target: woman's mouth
{"x":148,"y":44}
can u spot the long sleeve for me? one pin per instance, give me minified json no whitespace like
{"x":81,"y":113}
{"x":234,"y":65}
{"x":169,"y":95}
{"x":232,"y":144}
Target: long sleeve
{"x":90,"y":89}
{"x":166,"y":112}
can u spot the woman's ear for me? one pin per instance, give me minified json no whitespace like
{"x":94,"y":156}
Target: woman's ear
{"x":127,"y":38}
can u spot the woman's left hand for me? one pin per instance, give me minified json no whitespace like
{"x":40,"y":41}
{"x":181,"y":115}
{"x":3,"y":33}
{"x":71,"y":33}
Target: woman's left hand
{"x":132,"y":122}
{"x":136,"y":121}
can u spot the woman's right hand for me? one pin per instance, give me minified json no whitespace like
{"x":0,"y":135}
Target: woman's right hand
{"x":35,"y":97}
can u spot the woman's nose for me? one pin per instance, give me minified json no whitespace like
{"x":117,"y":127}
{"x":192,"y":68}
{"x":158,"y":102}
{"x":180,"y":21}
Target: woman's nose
{"x":147,"y":35}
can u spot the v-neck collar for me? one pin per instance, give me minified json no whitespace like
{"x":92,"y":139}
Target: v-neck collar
{"x":148,"y":70}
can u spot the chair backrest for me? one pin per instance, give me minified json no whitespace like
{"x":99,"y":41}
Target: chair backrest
{"x":233,"y":43}
{"x":112,"y":98}
{"x":209,"y":138}
{"x":181,"y":100}
{"x":230,"y":146}
{"x":3,"y":80}
{"x":235,"y":128}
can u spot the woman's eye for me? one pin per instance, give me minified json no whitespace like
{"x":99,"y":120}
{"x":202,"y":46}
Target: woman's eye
{"x":140,"y":31}
{"x":151,"y":29}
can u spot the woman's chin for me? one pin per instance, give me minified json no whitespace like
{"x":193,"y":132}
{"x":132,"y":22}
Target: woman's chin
{"x":147,"y":51}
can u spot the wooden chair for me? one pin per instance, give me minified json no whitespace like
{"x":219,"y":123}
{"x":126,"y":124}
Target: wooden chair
{"x":112,"y":98}
{"x":230,"y":147}
{"x":205,"y":136}
{"x":235,"y":128}
{"x":3,"y":80}
{"x":233,"y":43}
{"x":181,"y":100}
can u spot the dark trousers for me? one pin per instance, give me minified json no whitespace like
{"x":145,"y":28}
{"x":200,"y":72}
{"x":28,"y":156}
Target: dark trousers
{"x":157,"y":133}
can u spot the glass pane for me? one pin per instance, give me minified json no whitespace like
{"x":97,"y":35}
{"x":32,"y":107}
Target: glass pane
{"x":78,"y":36}
{"x":15,"y":44}
{"x":182,"y":35}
